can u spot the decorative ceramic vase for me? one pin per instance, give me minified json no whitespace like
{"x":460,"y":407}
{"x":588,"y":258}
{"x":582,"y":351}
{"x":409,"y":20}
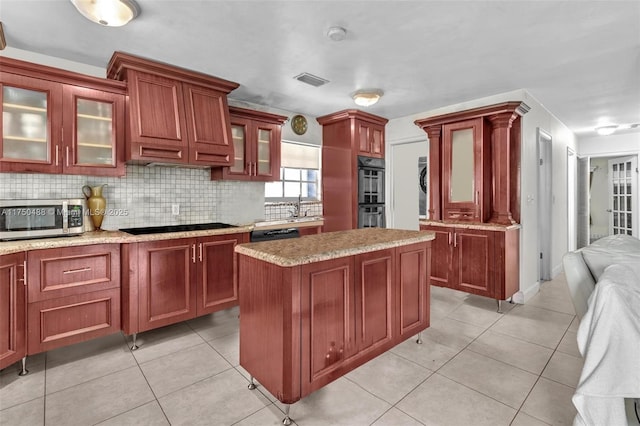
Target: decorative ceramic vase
{"x":96,"y":204}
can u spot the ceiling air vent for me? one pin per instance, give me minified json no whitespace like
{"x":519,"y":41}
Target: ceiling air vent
{"x":311,"y":79}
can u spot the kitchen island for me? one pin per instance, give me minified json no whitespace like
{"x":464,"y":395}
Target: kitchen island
{"x":314,"y":308}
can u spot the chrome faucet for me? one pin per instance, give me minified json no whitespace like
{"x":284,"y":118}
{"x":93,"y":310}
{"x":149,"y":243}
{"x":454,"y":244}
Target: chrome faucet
{"x":297,"y":208}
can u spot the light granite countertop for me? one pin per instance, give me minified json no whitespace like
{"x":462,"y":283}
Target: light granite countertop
{"x":119,"y":237}
{"x":331,"y":245}
{"x":471,"y":225}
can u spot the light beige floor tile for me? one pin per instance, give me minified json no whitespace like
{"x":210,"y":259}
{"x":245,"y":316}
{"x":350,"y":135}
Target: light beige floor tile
{"x":86,"y":361}
{"x":270,"y":415}
{"x":229,"y":347}
{"x":219,"y":400}
{"x":429,"y":354}
{"x":180,"y":369}
{"x":575,"y":324}
{"x":523,"y":419}
{"x":147,"y":414}
{"x":478,"y":316}
{"x":341,"y":402}
{"x":447,"y":293}
{"x":550,"y":402}
{"x":452,"y":333}
{"x":216,"y":325}
{"x":500,"y":381}
{"x":32,"y":361}
{"x":389,"y":376}
{"x":488,"y":304}
{"x":564,"y":368}
{"x":98,"y":400}
{"x":440,"y":401}
{"x":527,"y":356}
{"x":16,"y":389}
{"x":165,"y":340}
{"x":550,"y":300}
{"x":28,"y":414}
{"x":534,"y":325}
{"x":569,"y":344}
{"x":395,"y":417}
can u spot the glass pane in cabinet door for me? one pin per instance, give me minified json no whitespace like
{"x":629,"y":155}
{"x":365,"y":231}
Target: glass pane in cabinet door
{"x":462,"y":166}
{"x":264,"y":151}
{"x":238,"y":136}
{"x":24,"y":124}
{"x":94,"y":132}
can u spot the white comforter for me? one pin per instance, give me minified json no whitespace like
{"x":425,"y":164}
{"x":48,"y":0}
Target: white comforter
{"x":609,"y":341}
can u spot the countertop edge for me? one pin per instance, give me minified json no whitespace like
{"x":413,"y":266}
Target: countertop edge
{"x":471,"y":225}
{"x":110,"y":237}
{"x":329,"y":255}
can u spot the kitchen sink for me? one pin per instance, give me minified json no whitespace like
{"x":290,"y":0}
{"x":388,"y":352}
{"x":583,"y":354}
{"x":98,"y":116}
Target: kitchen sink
{"x":290,"y":221}
{"x":176,"y":228}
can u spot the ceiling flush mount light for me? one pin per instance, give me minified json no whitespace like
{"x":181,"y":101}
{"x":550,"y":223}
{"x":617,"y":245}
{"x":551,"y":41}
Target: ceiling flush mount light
{"x":337,"y":33}
{"x":367,"y":97}
{"x":606,"y":130}
{"x":110,"y":13}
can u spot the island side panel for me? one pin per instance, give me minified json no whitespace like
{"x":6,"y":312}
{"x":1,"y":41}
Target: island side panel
{"x":269,"y":326}
{"x":413,"y":271}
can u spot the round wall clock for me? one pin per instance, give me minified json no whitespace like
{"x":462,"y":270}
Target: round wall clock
{"x":299,"y":124}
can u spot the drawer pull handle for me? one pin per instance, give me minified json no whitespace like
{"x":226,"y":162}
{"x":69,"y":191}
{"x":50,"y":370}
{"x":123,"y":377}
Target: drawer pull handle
{"x":73,"y":271}
{"x":24,"y":273}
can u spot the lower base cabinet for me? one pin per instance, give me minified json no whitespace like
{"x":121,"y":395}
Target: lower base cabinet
{"x":170,"y":281}
{"x":13,"y":344}
{"x":73,"y":295}
{"x":477,"y":261}
{"x":302,"y":327}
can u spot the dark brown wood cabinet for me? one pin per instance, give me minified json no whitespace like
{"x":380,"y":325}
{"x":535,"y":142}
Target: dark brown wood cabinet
{"x":256,"y":141}
{"x":303,"y":326}
{"x":477,"y":261}
{"x":13,"y":331}
{"x":370,"y":139}
{"x":73,"y":295}
{"x":346,"y":135}
{"x":169,"y":281}
{"x":57,"y":121}
{"x":175,"y":115}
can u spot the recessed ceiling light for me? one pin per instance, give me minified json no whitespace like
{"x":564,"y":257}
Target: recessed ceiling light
{"x":606,"y":130}
{"x":337,"y":33}
{"x":110,"y":13}
{"x":367,"y":97}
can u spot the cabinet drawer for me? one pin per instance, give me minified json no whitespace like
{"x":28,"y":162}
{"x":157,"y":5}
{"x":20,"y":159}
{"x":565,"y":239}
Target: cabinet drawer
{"x":54,"y":273}
{"x":59,"y":322}
{"x":462,"y":215}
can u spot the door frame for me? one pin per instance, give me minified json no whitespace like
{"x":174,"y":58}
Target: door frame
{"x":634,"y":194}
{"x":392,"y":199}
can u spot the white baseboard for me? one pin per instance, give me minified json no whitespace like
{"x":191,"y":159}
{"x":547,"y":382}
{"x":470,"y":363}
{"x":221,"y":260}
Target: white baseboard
{"x":556,"y":271}
{"x":523,"y":295}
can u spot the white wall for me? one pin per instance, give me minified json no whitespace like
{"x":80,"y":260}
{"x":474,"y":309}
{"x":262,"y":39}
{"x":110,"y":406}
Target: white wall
{"x":403,"y":129}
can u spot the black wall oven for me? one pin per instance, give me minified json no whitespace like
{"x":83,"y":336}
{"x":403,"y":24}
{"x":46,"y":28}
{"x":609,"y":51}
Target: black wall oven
{"x":371,"y":192}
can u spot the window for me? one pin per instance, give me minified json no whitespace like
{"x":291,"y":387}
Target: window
{"x":299,"y":174}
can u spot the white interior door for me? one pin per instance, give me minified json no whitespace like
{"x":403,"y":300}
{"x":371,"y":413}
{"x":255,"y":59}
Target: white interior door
{"x":545,"y":198}
{"x":623,"y":195}
{"x":405,"y":184}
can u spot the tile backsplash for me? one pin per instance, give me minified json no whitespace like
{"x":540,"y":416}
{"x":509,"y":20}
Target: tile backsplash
{"x":144,"y":197}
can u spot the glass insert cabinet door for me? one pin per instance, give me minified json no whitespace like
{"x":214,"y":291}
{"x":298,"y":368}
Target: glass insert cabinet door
{"x":26,"y":123}
{"x":239,"y":137}
{"x":264,"y":151}
{"x":94,"y":136}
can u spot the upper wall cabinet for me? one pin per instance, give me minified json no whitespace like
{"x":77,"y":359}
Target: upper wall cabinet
{"x":54,"y":121}
{"x":175,"y":115}
{"x":256,"y":146}
{"x":474,"y":163}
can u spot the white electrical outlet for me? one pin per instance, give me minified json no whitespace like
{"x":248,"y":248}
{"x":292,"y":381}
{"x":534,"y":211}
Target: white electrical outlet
{"x":175,"y":209}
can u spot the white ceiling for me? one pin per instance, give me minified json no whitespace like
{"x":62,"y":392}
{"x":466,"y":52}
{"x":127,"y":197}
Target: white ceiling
{"x":580,"y":59}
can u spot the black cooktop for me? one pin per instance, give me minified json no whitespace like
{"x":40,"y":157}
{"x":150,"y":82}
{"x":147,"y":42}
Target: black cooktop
{"x":176,"y":228}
